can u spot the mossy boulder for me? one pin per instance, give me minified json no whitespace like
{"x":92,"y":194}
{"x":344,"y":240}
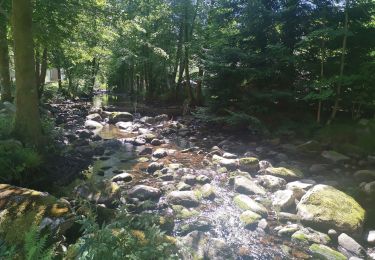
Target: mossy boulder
{"x":249,"y":218}
{"x":248,"y":163}
{"x":246,"y":203}
{"x":22,"y":208}
{"x":285,"y":173}
{"x":184,"y":213}
{"x":325,"y":253}
{"x":325,"y":207}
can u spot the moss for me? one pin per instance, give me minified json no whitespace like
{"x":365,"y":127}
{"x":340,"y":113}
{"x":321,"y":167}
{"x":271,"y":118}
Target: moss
{"x":325,"y":253}
{"x":300,"y":237}
{"x":285,"y":173}
{"x":249,"y":218}
{"x":184,"y":213}
{"x":240,"y":202}
{"x":334,"y":209}
{"x":249,"y":163}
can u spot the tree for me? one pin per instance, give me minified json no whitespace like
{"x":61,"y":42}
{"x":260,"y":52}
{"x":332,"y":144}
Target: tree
{"x":5,"y":83}
{"x":27,"y":125}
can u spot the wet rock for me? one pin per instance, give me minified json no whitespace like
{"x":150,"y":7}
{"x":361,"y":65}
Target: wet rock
{"x":333,"y":234}
{"x":200,"y":224}
{"x":125,"y":125}
{"x":125,"y":177}
{"x":282,"y":172}
{"x":115,"y":117}
{"x":145,"y":151}
{"x":153,"y":167}
{"x":189,"y":179}
{"x":249,"y":219}
{"x":148,"y":137}
{"x":184,"y":198}
{"x":365,"y":175}
{"x":161,"y":118}
{"x":247,"y":186}
{"x":264,"y":165}
{"x":309,"y":235}
{"x":286,"y":216}
{"x":182,"y":186}
{"x":325,"y":207}
{"x":310,"y":146}
{"x":156,"y":142}
{"x":350,"y":247}
{"x":139,"y":141}
{"x":193,"y":245}
{"x":249,"y":164}
{"x":228,"y":163}
{"x":84,"y":133}
{"x":283,"y":199}
{"x":217,"y":249}
{"x":94,"y":117}
{"x":203,"y":179}
{"x":229,"y":156}
{"x":271,"y":182}
{"x":100,"y":193}
{"x":143,"y":192}
{"x":112,"y":144}
{"x":246,"y":203}
{"x":208,"y":191}
{"x":160,"y":153}
{"x":318,"y":168}
{"x":370,"y":237}
{"x":300,"y":187}
{"x":183,"y":213}
{"x":335,"y":157}
{"x":324,"y":252}
{"x":147,"y":120}
{"x":288,"y":230}
{"x":93,"y":125}
{"x":369,"y":189}
{"x":263,"y":224}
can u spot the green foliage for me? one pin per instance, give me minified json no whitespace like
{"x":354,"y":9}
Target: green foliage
{"x":126,"y":237}
{"x":6,"y":123}
{"x":36,"y":247}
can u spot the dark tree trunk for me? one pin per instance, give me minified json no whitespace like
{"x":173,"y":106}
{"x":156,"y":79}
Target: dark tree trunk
{"x":27,"y":125}
{"x":59,"y":80}
{"x":5,"y":83}
{"x":43,"y":72}
{"x":199,"y":94}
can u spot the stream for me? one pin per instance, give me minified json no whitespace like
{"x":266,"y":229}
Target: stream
{"x":151,"y":157}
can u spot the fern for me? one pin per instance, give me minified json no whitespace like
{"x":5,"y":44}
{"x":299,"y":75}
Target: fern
{"x":36,"y":247}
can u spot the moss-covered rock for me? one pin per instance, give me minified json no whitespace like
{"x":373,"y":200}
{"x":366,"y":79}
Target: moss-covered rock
{"x":325,"y":253}
{"x":325,"y":207}
{"x":184,"y":213}
{"x":246,"y":203}
{"x":282,"y":172}
{"x":308,"y":235}
{"x":249,"y":163}
{"x":249,"y":218}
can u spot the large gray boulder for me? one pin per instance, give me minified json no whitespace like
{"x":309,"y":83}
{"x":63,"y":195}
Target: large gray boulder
{"x":143,"y":192}
{"x":325,"y":207}
{"x":246,"y":186}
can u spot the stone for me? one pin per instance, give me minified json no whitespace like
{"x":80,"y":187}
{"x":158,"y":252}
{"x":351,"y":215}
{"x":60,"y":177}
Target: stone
{"x":271,"y":182}
{"x":282,"y":172}
{"x":148,"y":137}
{"x":324,"y":252}
{"x":145,"y":151}
{"x":193,"y":245}
{"x":264,"y":165}
{"x":115,"y":117}
{"x":183,"y":186}
{"x":154,"y":166}
{"x":93,"y":125}
{"x":218,"y":249}
{"x":335,"y":157}
{"x":156,"y":142}
{"x":160,"y":153}
{"x":189,"y":179}
{"x":229,"y":156}
{"x":183,"y":213}
{"x":199,"y":224}
{"x":247,"y":186}
{"x":286,"y":216}
{"x":228,"y":163}
{"x":318,"y":168}
{"x":147,"y":120}
{"x":309,"y":235}
{"x":139,"y":141}
{"x":94,"y":117}
{"x":143,"y":192}
{"x":208,"y":191}
{"x":125,"y":125}
{"x":350,"y":246}
{"x":161,"y":118}
{"x":203,"y":179}
{"x":300,"y":187}
{"x":369,"y":189}
{"x":246,"y":203}
{"x":126,"y":177}
{"x":283,"y":199}
{"x":184,"y":198}
{"x":310,"y":146}
{"x":365,"y":175}
{"x":370,"y":237}
{"x":249,"y":218}
{"x":288,"y":230}
{"x":325,"y":207}
{"x":263,"y":224}
{"x":249,"y":164}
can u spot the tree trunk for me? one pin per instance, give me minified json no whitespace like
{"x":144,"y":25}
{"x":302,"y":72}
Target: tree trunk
{"x":93,"y":76}
{"x":59,"y":81}
{"x":43,"y":73}
{"x":5,"y":84}
{"x":342,"y":65}
{"x":318,"y":115}
{"x":199,"y":87}
{"x":27,"y":125}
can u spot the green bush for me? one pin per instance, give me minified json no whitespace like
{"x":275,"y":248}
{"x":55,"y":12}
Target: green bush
{"x":6,"y":123}
{"x":126,"y":237}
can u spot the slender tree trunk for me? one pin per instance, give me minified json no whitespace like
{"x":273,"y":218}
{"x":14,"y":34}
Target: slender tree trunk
{"x":93,"y":76}
{"x":179,"y":51}
{"x":59,"y":80}
{"x":187,"y":71}
{"x":37,"y":66}
{"x":342,"y":65}
{"x":5,"y":83}
{"x":43,"y":72}
{"x":27,"y":125}
{"x":318,"y":116}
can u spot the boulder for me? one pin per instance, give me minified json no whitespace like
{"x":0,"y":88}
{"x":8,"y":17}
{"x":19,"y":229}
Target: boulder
{"x":160,"y":153}
{"x":95,"y":117}
{"x":125,"y":125}
{"x":246,"y":203}
{"x":230,"y":164}
{"x":208,"y":191}
{"x":249,"y":218}
{"x":271,"y":182}
{"x":125,"y":177}
{"x":184,"y":198}
{"x":370,"y":237}
{"x":309,"y":235}
{"x":153,"y":167}
{"x":300,"y":187}
{"x":115,"y":117}
{"x":288,"y":174}
{"x":335,"y":157}
{"x":283,"y":199}
{"x":249,"y":164}
{"x":93,"y":125}
{"x":324,"y":252}
{"x":143,"y":192}
{"x":365,"y":175}
{"x":349,"y":246}
{"x":325,"y":207}
{"x":246,"y":186}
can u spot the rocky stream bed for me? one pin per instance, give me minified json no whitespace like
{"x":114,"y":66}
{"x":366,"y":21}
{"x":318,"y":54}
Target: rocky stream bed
{"x":223,"y":196}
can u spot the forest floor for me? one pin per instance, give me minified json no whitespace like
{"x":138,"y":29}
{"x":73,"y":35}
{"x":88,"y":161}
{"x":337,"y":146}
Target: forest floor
{"x":224,"y":195}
